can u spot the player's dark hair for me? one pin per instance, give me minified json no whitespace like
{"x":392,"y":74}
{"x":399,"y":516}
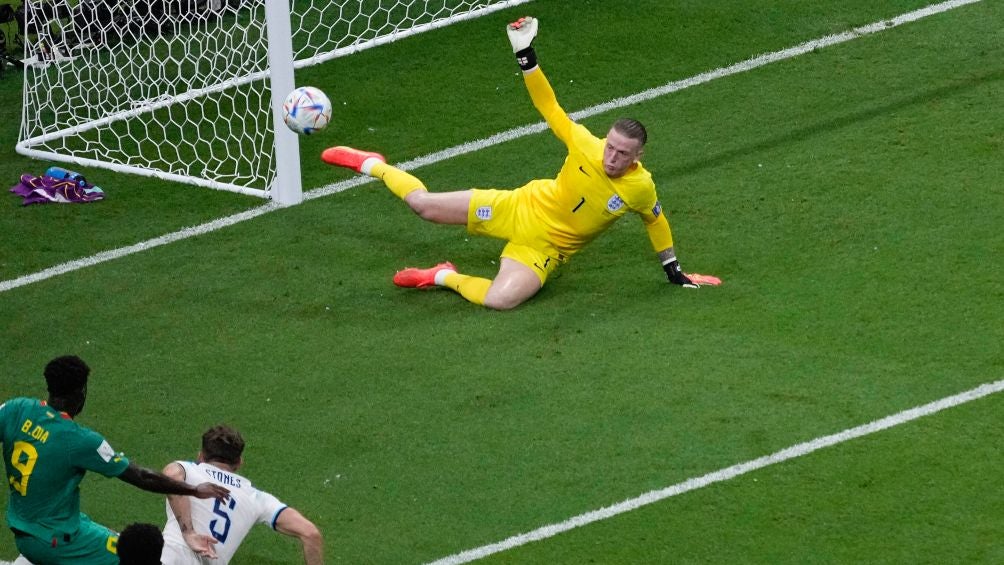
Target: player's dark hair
{"x":631,"y":128}
{"x":222,"y":443}
{"x":140,"y":544}
{"x":66,"y":375}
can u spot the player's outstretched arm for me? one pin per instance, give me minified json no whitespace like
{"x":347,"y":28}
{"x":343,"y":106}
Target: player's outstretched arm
{"x":292,"y":523}
{"x":521,"y":35}
{"x":153,"y":481}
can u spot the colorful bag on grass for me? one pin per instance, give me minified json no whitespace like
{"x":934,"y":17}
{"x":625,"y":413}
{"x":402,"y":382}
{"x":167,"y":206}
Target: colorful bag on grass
{"x":44,"y":189}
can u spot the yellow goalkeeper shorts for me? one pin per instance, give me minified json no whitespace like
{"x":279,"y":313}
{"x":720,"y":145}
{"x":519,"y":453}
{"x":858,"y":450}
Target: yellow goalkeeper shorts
{"x":505,"y":214}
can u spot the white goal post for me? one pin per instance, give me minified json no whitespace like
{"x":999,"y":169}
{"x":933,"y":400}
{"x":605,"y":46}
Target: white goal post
{"x":191,"y":90}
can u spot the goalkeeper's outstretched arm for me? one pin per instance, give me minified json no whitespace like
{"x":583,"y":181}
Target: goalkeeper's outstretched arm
{"x":521,"y":35}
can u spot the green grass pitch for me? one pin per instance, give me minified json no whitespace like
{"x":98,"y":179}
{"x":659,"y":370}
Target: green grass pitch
{"x":850,"y":198}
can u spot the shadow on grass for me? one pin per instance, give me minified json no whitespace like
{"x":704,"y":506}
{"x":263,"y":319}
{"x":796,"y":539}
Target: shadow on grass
{"x":809,"y":131}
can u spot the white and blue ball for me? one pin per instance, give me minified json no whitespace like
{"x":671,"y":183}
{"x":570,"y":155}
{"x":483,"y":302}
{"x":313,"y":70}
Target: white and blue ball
{"x":306,"y":110}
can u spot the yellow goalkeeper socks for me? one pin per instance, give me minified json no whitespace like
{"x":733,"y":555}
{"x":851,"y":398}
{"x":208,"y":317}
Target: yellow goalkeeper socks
{"x":399,"y":182}
{"x":474,"y":289}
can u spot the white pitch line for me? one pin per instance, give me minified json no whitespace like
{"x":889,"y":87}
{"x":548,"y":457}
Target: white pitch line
{"x":136,"y":248}
{"x":721,"y":475}
{"x":496,"y":139}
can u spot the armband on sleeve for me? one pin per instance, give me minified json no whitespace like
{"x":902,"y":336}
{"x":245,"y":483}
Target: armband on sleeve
{"x":674,"y":273}
{"x":526,"y":59}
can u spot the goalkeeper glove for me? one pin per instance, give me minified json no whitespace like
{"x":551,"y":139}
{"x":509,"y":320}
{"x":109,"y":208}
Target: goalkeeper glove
{"x":688,"y":280}
{"x":521,"y":34}
{"x":703,"y":280}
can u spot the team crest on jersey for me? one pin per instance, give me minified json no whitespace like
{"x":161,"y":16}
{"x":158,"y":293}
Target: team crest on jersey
{"x":657,"y":209}
{"x":483,"y":212}
{"x":615,"y":203}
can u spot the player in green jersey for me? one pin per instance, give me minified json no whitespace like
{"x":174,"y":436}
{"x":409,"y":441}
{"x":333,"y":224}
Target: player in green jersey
{"x":46,"y":454}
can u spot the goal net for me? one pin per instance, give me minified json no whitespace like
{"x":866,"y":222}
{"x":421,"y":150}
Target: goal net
{"x":190,"y":90}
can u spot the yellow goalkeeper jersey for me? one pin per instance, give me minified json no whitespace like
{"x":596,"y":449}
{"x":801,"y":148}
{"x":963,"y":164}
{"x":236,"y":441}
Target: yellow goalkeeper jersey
{"x":582,"y":201}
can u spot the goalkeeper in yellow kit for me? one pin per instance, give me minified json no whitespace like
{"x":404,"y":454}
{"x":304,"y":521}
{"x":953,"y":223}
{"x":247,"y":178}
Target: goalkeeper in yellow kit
{"x":545,"y":221}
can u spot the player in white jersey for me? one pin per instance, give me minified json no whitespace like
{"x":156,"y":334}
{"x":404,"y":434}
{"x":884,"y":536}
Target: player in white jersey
{"x":228,"y":522}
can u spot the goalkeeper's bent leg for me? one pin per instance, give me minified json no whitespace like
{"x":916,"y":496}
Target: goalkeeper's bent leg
{"x":473,"y":289}
{"x":399,"y":182}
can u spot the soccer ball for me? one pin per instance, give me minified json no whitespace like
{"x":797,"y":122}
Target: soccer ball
{"x":306,"y":110}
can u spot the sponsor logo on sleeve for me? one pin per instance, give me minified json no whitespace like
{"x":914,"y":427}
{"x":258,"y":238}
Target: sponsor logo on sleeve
{"x":615,"y":203}
{"x":483,"y":212}
{"x":105,"y":451}
{"x":657,"y":209}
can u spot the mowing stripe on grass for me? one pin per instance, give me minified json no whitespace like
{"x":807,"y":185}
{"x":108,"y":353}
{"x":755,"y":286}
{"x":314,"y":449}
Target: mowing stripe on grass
{"x":722,"y":474}
{"x":508,"y":135}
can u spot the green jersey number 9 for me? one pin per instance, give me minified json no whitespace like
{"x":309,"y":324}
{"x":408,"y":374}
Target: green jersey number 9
{"x":23,"y":459}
